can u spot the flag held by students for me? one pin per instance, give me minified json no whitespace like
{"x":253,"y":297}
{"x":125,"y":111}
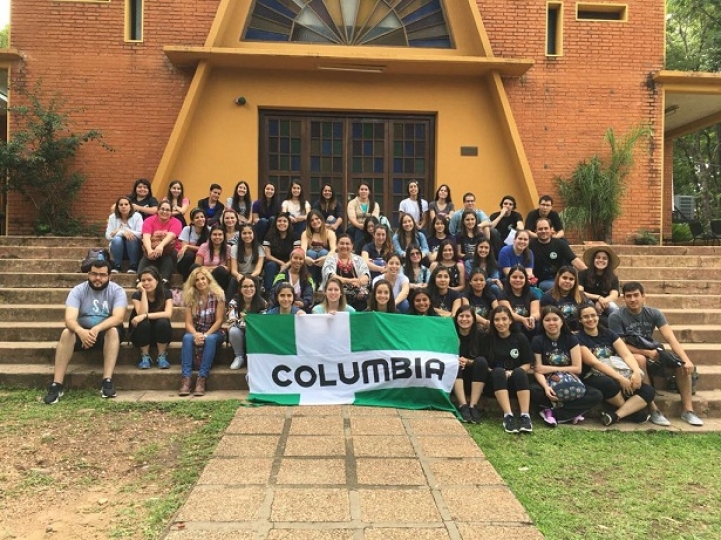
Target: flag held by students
{"x":368,"y":358}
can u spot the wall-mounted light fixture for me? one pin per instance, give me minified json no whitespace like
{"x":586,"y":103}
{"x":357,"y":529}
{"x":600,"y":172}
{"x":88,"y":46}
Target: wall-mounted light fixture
{"x":240,"y":101}
{"x":671,"y":110}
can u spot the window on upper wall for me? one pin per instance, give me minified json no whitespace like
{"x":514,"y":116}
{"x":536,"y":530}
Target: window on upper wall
{"x":554,"y":29}
{"x":402,"y":23}
{"x":601,"y":12}
{"x":133,"y":20}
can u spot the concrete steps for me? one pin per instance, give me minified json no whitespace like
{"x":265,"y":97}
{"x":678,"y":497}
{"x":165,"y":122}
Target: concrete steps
{"x":36,"y":275}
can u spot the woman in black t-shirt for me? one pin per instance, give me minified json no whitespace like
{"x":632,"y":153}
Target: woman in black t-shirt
{"x":518,"y":297}
{"x":278,"y":245}
{"x":472,"y":367}
{"x":444,"y":299}
{"x":150,"y":319}
{"x":557,"y":350}
{"x":566,"y":296}
{"x":600,"y":282}
{"x":480,"y":298}
{"x":625,"y":392}
{"x":509,"y":358}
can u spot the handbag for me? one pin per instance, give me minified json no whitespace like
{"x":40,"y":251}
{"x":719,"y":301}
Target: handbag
{"x":618,"y":364}
{"x":353,"y":293}
{"x":666,"y":358}
{"x":94,"y":255}
{"x":566,"y":386}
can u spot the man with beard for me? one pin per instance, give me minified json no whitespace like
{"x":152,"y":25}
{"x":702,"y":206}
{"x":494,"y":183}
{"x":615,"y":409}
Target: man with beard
{"x":94,"y":313}
{"x":550,"y":254}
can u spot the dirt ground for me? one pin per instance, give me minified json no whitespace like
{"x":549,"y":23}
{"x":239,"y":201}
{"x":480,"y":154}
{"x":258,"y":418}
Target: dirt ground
{"x":92,"y":477}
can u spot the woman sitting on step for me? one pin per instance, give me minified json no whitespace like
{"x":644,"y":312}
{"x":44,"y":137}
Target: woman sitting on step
{"x":204,"y":316}
{"x":150,"y":318}
{"x":247,"y":300}
{"x":623,"y":389}
{"x":124,"y":231}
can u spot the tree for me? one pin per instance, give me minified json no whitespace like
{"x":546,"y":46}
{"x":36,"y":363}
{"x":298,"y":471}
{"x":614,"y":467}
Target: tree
{"x":38,"y":160}
{"x":5,"y":37}
{"x":693,"y":43}
{"x":592,"y":195}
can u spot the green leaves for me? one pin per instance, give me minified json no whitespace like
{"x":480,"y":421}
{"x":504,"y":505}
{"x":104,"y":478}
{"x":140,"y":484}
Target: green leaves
{"x":592,"y":195}
{"x":39,"y":160}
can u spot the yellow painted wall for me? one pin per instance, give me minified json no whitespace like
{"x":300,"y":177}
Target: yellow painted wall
{"x":222,"y":139}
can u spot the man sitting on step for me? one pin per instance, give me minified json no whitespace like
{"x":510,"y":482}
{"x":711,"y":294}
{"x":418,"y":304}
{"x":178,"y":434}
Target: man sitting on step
{"x":637,"y":319}
{"x":94,"y":313}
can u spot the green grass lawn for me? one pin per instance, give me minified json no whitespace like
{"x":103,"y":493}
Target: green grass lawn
{"x":575,"y":484}
{"x":578,"y":484}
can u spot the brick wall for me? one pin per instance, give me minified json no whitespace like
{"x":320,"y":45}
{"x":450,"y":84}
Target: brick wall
{"x":129,"y":91}
{"x":565,"y":104}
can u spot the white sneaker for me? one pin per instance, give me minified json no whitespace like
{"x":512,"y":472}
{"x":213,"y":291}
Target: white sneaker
{"x":659,"y":419}
{"x":237,"y":363}
{"x":690,"y":418}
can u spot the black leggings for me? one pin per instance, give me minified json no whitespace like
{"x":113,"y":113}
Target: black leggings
{"x":569,"y":410}
{"x":518,"y":381}
{"x":151,"y":332}
{"x":476,"y":372}
{"x":609,"y":388}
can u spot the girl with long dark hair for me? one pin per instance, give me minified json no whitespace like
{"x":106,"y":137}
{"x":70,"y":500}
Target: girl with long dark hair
{"x":509,"y":357}
{"x":191,"y":238}
{"x":381,"y":297}
{"x":442,"y":206}
{"x":317,"y":241}
{"x":480,"y":298}
{"x":445,"y":300}
{"x":178,"y":201}
{"x":264,"y":211}
{"x":557,"y":357}
{"x":518,"y":297}
{"x":361,"y":207}
{"x":408,"y":234}
{"x":484,"y":259}
{"x":414,"y":205}
{"x":472,"y":366}
{"x":278,"y":245}
{"x":215,"y":256}
{"x":375,"y":253}
{"x":330,"y":209}
{"x":241,"y":202}
{"x":417,"y":274}
{"x":124,"y":231}
{"x":297,"y":207}
{"x":447,"y":259}
{"x":566,"y":295}
{"x":150,"y":318}
{"x":247,"y":299}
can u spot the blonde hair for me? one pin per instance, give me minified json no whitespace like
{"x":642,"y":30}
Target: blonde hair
{"x":191,"y":296}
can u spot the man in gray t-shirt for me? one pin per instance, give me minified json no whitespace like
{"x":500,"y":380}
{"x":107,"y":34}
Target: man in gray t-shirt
{"x":637,"y":319}
{"x":94,"y":313}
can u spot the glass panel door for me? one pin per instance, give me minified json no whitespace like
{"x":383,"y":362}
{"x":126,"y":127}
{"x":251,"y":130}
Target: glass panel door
{"x":342,"y":150}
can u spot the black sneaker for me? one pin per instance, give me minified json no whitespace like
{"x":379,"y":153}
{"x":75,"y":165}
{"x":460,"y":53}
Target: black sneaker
{"x":108,"y":389}
{"x":465,"y":412}
{"x":55,"y":392}
{"x":606,"y":419}
{"x":509,"y":424}
{"x":525,"y":425}
{"x":475,"y":414}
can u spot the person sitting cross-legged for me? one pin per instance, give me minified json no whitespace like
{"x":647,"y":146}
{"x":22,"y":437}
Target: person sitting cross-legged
{"x":94,"y":314}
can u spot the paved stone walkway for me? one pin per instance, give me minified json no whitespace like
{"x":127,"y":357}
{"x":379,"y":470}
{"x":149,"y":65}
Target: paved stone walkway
{"x":349,"y":473}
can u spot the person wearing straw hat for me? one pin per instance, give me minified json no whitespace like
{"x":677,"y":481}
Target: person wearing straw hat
{"x":600,"y":282}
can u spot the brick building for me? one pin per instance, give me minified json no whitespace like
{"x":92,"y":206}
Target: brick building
{"x":491,"y":96}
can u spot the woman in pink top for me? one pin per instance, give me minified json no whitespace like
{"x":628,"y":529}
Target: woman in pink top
{"x":160,"y":241}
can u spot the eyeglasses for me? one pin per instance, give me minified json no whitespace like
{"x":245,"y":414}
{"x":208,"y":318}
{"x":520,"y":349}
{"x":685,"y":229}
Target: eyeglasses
{"x":415,"y":253}
{"x":98,"y":275}
{"x":164,"y":210}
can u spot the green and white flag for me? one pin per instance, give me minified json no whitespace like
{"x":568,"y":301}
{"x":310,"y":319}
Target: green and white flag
{"x":378,"y":359}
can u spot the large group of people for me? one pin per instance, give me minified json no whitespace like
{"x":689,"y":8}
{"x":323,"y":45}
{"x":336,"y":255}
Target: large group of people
{"x":534,"y":321}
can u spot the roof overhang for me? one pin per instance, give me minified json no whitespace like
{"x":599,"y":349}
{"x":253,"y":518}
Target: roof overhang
{"x":340,"y":60}
{"x":692,"y":101}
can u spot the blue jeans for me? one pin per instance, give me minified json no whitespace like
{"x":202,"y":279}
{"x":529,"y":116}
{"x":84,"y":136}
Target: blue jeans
{"x":403,"y":306}
{"x":188,"y":350}
{"x":316,"y":272}
{"x":119,"y":245}
{"x":270,"y":271}
{"x":261,"y":228}
{"x":546,"y":285}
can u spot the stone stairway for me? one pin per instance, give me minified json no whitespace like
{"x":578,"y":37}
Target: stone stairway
{"x":37,"y":273}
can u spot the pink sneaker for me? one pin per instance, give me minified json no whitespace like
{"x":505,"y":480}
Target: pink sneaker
{"x":580,"y":418}
{"x":547,"y":416}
